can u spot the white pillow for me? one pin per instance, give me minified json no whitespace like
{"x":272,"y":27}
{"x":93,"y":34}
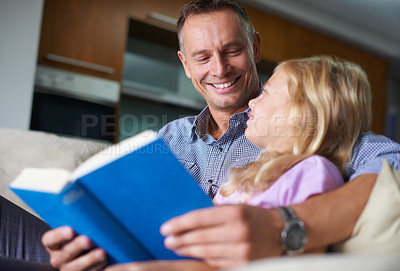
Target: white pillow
{"x":377,"y":230}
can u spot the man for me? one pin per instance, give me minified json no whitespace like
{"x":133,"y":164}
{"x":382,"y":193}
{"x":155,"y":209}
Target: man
{"x":221,"y":62}
{"x":218,"y":50}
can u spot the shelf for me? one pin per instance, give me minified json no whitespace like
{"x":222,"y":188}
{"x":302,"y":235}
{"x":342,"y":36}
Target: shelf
{"x":160,"y":95}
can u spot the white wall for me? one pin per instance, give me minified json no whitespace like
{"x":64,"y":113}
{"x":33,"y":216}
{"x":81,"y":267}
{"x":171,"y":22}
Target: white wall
{"x":20,"y":22}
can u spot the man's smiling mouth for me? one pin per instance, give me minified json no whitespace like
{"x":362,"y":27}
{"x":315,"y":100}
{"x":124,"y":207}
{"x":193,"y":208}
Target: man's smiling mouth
{"x":225,"y":85}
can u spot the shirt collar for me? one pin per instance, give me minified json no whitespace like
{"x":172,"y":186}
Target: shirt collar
{"x":200,"y":121}
{"x":204,"y":116}
{"x":200,"y":127}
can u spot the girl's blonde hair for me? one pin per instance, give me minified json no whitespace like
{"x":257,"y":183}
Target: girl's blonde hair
{"x":331,"y":107}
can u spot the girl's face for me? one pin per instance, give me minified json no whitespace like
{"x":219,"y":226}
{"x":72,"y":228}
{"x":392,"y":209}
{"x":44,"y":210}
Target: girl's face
{"x":269,"y":119}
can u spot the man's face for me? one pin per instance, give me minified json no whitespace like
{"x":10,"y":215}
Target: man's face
{"x":220,"y":60}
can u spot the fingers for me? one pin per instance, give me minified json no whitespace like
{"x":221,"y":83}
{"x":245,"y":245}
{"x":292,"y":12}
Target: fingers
{"x":54,"y":239}
{"x":201,"y":218}
{"x":96,"y":259}
{"x":221,"y":233}
{"x":227,"y":235}
{"x":68,"y":252}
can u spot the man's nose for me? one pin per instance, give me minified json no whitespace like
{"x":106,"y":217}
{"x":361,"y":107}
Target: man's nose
{"x":219,"y":66}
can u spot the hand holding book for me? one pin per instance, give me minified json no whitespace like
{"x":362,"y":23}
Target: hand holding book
{"x":119,"y":198}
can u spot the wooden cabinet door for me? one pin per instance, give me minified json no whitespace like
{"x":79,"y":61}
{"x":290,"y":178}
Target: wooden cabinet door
{"x":159,"y":13}
{"x":85,"y":36}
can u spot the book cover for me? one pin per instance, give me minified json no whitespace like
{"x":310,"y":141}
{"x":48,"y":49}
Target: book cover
{"x":119,"y":198}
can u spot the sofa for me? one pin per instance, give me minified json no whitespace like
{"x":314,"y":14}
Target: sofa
{"x":374,"y":245}
{"x":20,"y":232}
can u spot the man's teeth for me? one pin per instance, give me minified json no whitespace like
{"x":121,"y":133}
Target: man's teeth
{"x":223,"y":85}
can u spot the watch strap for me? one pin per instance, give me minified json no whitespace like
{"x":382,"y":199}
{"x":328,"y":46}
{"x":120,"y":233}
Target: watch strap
{"x":287,"y":213}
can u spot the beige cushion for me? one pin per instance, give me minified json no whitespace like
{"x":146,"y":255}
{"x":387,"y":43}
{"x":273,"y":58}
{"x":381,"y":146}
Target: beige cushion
{"x":377,"y":231}
{"x":21,"y":148}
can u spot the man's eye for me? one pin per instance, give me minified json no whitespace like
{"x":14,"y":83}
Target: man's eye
{"x":234,"y":52}
{"x":202,"y":59}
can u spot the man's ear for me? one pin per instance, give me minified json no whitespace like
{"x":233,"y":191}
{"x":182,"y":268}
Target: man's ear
{"x":185,"y":64}
{"x":256,"y":47}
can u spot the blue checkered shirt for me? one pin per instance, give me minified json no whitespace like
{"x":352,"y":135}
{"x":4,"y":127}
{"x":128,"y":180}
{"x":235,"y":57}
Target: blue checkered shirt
{"x":209,"y":160}
{"x":368,"y":154}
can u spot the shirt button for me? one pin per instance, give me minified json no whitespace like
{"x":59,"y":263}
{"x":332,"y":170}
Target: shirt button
{"x":220,"y":149}
{"x":210,"y":181}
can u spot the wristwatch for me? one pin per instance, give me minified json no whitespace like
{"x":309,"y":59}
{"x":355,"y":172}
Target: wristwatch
{"x":293,"y":236}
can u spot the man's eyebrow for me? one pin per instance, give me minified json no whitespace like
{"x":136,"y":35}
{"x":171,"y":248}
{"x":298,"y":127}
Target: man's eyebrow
{"x":198,"y":52}
{"x":227,"y":45}
{"x":234,"y":43}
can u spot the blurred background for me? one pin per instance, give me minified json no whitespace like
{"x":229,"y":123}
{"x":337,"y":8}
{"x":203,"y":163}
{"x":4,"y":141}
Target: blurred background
{"x":106,"y":70}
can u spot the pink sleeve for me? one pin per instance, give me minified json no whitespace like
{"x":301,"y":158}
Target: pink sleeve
{"x":312,"y":176}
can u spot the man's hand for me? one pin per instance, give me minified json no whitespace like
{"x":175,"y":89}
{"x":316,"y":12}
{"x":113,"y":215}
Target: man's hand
{"x":67,"y":251}
{"x":227,"y":235}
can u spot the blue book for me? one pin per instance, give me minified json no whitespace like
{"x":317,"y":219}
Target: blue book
{"x":119,"y":197}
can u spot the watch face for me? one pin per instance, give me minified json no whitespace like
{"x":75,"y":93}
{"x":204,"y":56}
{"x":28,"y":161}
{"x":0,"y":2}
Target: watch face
{"x":293,"y":236}
{"x":296,"y":237}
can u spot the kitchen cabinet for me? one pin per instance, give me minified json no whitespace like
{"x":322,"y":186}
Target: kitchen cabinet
{"x":281,"y":40}
{"x":84,"y":36}
{"x":160,"y":13}
{"x":90,"y":36}
{"x":96,"y":31}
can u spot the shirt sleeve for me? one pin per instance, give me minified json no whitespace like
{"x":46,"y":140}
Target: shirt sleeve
{"x":369,"y":153}
{"x":312,"y":176}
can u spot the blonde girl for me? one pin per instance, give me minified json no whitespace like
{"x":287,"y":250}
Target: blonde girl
{"x":308,"y":118}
